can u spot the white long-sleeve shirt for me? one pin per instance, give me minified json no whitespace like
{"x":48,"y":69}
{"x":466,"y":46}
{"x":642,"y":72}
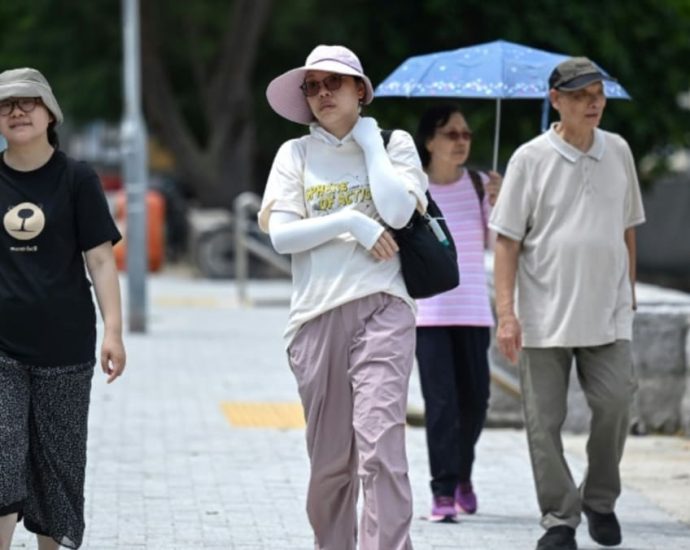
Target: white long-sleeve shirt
{"x":320,"y":176}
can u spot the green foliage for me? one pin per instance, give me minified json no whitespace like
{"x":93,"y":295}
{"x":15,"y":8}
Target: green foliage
{"x":643,"y":43}
{"x":76,"y":45}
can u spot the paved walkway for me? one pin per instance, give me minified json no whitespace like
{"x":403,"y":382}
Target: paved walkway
{"x":167,"y":471}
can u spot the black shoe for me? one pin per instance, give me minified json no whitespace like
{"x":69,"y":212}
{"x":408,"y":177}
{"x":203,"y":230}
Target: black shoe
{"x":560,"y":537}
{"x":603,"y":528}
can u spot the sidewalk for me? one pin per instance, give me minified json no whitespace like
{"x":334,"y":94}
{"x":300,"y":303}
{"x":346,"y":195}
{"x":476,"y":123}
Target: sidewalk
{"x":167,"y":470}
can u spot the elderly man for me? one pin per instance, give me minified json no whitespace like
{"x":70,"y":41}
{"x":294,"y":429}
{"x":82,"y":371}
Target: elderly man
{"x":565,"y":222}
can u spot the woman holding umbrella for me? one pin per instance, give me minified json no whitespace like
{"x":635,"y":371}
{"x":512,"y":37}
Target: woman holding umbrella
{"x":453,"y":327}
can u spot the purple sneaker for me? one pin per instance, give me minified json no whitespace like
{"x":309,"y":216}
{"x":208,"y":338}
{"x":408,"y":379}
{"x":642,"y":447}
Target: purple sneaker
{"x":443,"y":509}
{"x":465,"y":499}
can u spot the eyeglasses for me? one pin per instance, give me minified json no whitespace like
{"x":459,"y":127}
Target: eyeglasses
{"x":332,"y":82}
{"x":455,"y":136}
{"x":25,"y":104}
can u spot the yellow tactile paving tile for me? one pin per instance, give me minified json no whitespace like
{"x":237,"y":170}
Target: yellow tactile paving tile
{"x":263,"y":415}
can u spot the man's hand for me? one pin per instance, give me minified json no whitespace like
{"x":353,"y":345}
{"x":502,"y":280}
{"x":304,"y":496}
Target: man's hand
{"x":509,"y":337}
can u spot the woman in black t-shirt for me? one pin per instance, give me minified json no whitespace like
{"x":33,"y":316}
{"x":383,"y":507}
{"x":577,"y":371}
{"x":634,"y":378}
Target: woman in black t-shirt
{"x":55,"y":219}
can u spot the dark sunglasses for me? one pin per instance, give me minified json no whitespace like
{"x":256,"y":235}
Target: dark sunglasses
{"x":332,"y":82}
{"x":25,"y":104}
{"x":455,"y":136}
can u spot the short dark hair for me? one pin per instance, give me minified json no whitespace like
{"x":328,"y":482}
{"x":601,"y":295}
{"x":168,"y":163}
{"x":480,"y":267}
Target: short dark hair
{"x":53,"y":138}
{"x":431,"y":120}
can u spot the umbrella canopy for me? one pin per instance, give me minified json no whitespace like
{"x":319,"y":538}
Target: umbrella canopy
{"x":495,"y":70}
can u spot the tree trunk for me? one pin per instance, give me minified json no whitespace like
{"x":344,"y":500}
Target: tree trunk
{"x":218,"y":169}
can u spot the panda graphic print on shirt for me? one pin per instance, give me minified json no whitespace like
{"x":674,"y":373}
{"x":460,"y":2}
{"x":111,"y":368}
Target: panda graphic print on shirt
{"x":24,"y":221}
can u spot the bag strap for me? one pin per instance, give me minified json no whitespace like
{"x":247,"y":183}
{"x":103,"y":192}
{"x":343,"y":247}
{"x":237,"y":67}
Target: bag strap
{"x":386,"y":135}
{"x":479,"y":188}
{"x":478,"y":184}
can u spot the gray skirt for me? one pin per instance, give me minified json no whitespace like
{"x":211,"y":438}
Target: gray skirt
{"x":43,"y":428}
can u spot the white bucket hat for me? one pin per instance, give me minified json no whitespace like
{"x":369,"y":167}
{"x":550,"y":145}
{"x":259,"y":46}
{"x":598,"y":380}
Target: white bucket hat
{"x":29,"y":82}
{"x":285,"y":95}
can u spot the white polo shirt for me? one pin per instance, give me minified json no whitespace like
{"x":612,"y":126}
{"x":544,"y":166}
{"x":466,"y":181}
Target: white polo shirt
{"x":317,"y":175}
{"x":570,"y":210}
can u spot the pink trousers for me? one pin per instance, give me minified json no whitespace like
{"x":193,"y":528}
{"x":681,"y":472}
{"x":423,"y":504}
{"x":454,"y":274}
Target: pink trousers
{"x":352,"y":366}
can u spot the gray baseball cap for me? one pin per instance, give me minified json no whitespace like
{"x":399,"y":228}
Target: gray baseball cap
{"x":576,"y":73}
{"x":27,"y":82}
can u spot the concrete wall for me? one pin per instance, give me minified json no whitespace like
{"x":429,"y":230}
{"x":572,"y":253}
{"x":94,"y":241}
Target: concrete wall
{"x":661,"y":354}
{"x":663,"y":241}
{"x":660,"y":343}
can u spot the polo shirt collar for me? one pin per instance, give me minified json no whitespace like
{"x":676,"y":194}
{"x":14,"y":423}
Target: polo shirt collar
{"x":596,"y":151}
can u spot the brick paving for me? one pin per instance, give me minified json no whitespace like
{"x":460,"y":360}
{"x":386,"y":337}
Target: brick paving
{"x":167,"y":471}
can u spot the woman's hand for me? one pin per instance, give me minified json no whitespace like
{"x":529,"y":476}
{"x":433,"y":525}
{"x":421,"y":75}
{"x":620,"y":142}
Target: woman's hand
{"x":100,"y":262}
{"x":493,"y":186}
{"x":385,"y":248}
{"x":113,"y":357}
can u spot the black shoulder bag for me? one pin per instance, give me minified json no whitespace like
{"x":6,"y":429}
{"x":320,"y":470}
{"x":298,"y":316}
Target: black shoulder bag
{"x":428,"y":257}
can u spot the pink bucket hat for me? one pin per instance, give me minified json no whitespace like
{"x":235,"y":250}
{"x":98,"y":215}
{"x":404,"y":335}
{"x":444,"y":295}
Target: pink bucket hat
{"x":285,"y":95}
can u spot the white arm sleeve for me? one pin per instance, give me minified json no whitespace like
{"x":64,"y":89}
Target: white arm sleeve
{"x":394,"y":201}
{"x":290,"y":233}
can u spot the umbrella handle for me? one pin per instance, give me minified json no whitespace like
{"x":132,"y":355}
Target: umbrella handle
{"x":545,"y":114}
{"x":497,"y":132}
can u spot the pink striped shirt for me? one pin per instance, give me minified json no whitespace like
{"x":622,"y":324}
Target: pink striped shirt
{"x":467,"y":304}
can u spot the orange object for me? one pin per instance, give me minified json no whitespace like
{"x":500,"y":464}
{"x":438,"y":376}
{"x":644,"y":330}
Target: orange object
{"x":155,"y":230}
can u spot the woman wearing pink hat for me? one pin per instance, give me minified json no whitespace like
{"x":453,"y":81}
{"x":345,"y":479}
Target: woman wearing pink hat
{"x":330,"y":200}
{"x":55,"y":222}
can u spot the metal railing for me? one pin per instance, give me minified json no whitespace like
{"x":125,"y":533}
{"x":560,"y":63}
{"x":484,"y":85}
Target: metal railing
{"x":245,"y":205}
{"x":505,"y":380}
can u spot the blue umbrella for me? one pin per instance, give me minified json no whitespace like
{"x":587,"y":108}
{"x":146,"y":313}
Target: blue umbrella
{"x":495,"y":70}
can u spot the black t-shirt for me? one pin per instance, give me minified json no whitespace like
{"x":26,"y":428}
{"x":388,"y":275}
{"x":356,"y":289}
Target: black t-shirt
{"x":47,"y":315}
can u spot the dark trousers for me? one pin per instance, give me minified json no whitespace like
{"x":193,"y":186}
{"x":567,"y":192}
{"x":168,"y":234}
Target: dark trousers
{"x":43,"y":430}
{"x":454,"y":374}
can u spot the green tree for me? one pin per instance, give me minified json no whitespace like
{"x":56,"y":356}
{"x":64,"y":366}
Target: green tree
{"x":197,"y":65}
{"x":76,"y":45}
{"x":644,"y":44}
{"x":207,"y":63}
{"x":197,"y":61}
